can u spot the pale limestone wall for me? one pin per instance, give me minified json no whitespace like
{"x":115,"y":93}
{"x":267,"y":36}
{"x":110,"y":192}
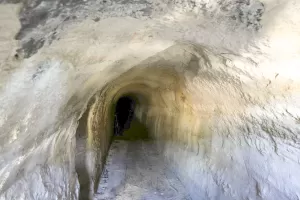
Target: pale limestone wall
{"x":203,"y":129}
{"x":225,"y":113}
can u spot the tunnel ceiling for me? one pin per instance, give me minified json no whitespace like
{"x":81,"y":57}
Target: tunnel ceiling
{"x":216,"y":85}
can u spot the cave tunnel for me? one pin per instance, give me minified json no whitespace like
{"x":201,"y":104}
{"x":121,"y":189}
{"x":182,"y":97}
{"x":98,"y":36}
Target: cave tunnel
{"x":150,"y":105}
{"x":128,"y":121}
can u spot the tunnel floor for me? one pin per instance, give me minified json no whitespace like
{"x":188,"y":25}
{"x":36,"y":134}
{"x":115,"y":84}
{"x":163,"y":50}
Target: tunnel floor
{"x":135,"y":170}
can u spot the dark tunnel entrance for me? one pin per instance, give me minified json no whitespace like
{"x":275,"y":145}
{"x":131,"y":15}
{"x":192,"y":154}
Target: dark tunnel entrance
{"x":126,"y":125}
{"x":123,"y":114}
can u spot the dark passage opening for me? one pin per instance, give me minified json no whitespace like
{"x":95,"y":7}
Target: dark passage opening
{"x":123,"y":115}
{"x":126,"y":125}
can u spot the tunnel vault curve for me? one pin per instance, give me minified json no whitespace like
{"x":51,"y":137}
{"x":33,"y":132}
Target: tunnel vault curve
{"x":204,"y":111}
{"x":159,"y":88}
{"x":177,"y":112}
{"x":147,"y":92}
{"x":229,"y":128}
{"x":189,"y":98}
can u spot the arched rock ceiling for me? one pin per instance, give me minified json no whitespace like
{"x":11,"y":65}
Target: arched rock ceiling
{"x":217,"y":84}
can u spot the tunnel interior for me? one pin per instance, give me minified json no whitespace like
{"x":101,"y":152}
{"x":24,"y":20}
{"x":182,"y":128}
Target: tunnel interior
{"x":126,"y":125}
{"x":134,"y":122}
{"x":221,"y":98}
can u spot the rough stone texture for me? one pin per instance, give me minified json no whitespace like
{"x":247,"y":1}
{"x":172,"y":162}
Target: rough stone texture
{"x":221,"y":98}
{"x":42,"y":20}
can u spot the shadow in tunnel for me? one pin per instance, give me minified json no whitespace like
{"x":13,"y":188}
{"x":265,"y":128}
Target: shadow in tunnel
{"x":126,"y":125}
{"x":80,"y":159}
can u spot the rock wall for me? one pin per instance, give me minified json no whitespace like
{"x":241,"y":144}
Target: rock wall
{"x":218,"y":93}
